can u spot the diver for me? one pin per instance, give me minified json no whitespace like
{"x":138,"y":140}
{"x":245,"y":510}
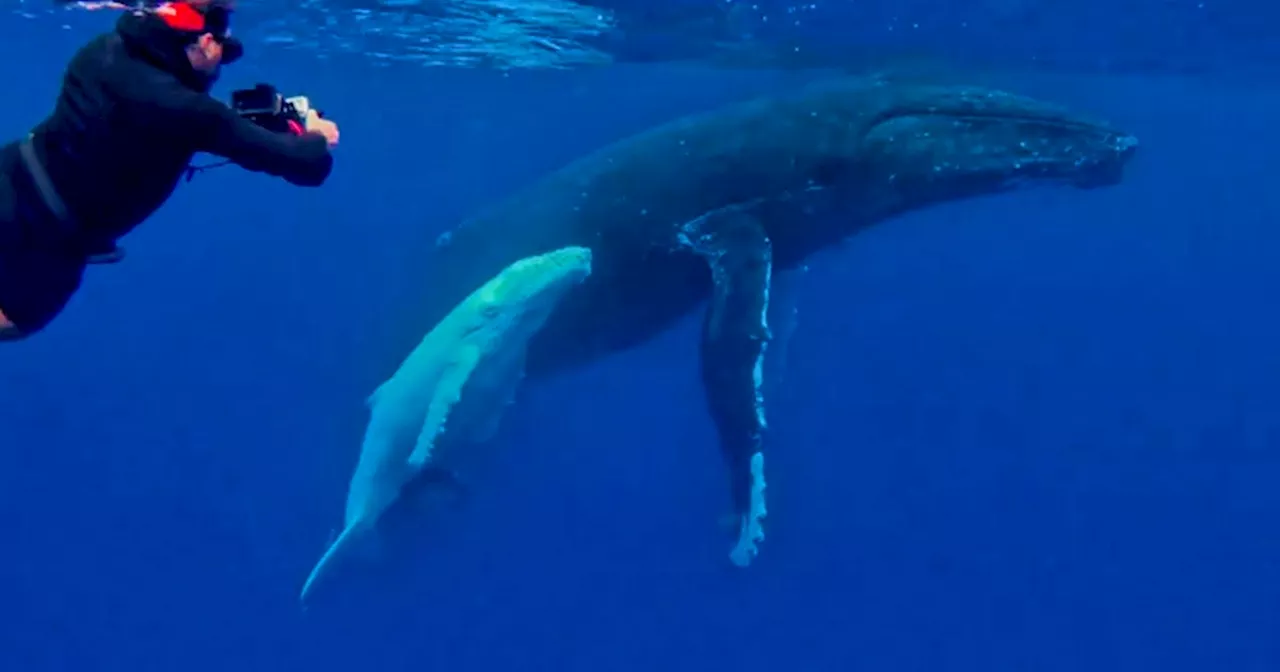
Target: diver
{"x":133,"y":111}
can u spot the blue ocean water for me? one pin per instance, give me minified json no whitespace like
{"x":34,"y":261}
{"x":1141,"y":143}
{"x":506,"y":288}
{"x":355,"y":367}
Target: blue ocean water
{"x":1031,"y":432}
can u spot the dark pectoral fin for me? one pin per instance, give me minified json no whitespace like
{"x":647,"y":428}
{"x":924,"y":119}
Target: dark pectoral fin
{"x":735,"y":334}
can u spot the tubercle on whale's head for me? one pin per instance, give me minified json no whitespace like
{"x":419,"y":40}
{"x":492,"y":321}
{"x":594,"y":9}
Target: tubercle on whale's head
{"x":944,"y":142}
{"x":527,"y":291}
{"x":554,"y":271}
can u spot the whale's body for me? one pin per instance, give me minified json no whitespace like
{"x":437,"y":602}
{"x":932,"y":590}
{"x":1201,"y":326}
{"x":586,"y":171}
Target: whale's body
{"x":704,"y":208}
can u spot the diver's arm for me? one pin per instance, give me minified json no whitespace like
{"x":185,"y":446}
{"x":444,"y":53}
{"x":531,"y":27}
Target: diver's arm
{"x":303,"y":160}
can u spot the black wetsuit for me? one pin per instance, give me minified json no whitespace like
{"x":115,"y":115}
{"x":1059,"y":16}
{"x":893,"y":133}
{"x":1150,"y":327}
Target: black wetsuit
{"x":131,"y":115}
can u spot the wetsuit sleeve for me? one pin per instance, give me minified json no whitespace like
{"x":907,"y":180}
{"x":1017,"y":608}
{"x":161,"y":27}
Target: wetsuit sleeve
{"x":302,"y":160}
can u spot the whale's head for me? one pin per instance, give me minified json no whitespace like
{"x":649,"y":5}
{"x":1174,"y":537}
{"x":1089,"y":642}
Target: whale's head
{"x":518,"y":301}
{"x":924,"y":144}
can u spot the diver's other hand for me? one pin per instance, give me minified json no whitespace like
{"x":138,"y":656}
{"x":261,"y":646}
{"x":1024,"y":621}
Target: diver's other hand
{"x":318,"y":124}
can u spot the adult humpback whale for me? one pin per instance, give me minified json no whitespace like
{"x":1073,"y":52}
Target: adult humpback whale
{"x":707,"y":207}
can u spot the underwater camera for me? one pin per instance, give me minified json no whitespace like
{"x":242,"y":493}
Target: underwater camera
{"x":264,"y":106}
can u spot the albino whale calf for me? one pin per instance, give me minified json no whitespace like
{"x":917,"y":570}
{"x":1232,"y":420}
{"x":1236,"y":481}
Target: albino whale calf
{"x":452,"y":389}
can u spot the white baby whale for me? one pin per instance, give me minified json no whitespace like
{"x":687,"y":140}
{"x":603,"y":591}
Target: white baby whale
{"x":452,"y":389}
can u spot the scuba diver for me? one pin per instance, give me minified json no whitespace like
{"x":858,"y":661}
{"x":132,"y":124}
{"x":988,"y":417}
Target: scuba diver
{"x":133,"y":111}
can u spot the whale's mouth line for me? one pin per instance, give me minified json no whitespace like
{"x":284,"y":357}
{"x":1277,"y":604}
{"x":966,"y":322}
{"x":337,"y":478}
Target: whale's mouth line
{"x":1025,"y":118}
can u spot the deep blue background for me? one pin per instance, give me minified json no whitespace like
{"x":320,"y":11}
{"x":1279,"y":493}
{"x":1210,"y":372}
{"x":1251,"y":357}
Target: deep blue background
{"x":1033,"y":432}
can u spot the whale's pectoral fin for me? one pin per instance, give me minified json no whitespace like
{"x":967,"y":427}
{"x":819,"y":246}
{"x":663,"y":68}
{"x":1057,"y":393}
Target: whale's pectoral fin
{"x":735,"y":334}
{"x":783,"y":318}
{"x":447,"y":393}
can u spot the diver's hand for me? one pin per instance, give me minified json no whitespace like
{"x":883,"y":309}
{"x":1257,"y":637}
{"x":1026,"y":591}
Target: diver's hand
{"x":317,"y":124}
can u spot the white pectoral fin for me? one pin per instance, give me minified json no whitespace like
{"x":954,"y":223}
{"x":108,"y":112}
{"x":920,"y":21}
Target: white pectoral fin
{"x":448,"y":391}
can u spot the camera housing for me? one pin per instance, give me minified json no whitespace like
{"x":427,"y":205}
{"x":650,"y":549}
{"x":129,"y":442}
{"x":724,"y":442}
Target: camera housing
{"x":266,"y":107}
